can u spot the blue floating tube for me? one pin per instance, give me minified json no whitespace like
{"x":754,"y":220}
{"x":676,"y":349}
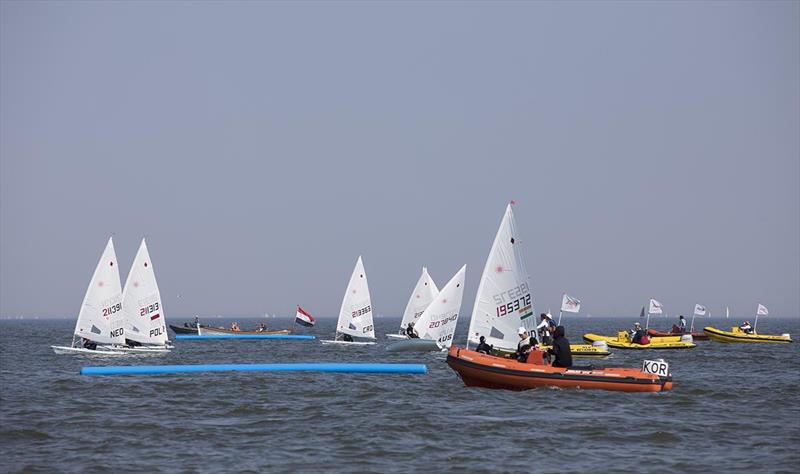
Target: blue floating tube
{"x":190,"y":337}
{"x":302,"y":367}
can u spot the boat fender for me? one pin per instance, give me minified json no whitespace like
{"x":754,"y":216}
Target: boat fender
{"x":600,"y":345}
{"x":687,"y":338}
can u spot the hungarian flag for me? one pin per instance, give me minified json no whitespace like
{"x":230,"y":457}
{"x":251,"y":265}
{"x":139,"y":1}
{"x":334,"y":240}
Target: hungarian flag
{"x":303,"y":318}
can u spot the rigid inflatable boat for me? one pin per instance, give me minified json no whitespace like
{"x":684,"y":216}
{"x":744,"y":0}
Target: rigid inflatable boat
{"x":623,"y":341}
{"x":480,"y":370}
{"x":737,"y":335}
{"x":697,"y":336}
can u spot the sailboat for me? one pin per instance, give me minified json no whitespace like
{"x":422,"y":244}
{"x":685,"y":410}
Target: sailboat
{"x":437,"y":324}
{"x":503,"y":301}
{"x":100,"y":318}
{"x":355,"y":326}
{"x":142,"y":308}
{"x":422,"y":296}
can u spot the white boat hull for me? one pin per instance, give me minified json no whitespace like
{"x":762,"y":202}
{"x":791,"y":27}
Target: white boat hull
{"x":139,"y":349}
{"x":87,"y":352}
{"x":414,"y":345}
{"x":328,"y":342}
{"x":396,"y":336}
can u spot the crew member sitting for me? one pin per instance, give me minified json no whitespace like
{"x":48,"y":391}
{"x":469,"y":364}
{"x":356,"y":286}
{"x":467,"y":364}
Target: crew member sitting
{"x":746,"y":327}
{"x":411,"y":332}
{"x":235,"y":326}
{"x":347,"y":338}
{"x":560,"y":350}
{"x":637,"y":333}
{"x":89,"y":344}
{"x":483,"y":347}
{"x":524,"y":346}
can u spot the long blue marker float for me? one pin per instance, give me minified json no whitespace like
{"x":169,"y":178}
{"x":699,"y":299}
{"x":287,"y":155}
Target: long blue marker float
{"x":301,"y":367}
{"x":189,"y":337}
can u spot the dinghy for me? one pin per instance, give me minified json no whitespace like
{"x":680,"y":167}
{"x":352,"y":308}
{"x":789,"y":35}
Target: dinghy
{"x":437,"y":324}
{"x":623,"y":341}
{"x":422,"y":296}
{"x":737,"y":335}
{"x":210,"y":331}
{"x":355,"y":327}
{"x":481,"y":370}
{"x":142,"y":309}
{"x":100,"y":319}
{"x":503,"y":302}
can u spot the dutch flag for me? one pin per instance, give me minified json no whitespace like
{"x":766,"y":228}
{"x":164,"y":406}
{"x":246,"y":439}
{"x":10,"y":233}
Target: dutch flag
{"x":303,"y":318}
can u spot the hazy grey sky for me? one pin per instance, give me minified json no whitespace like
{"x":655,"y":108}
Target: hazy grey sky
{"x":653,"y":149}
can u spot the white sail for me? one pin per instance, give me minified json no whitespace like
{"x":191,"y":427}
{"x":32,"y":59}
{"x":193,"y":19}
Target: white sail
{"x":504,"y":301}
{"x":727,"y":313}
{"x":438,"y":322}
{"x":355,"y":315}
{"x":141,"y":302}
{"x":100,"y":318}
{"x":420,"y":299}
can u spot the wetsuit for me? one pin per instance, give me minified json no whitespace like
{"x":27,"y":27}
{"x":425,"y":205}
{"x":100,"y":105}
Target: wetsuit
{"x":411,"y":333}
{"x":560,"y":349}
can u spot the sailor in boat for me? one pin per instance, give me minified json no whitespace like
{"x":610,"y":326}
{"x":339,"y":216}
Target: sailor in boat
{"x":197,"y":321}
{"x":542,"y":328}
{"x":89,"y":344}
{"x":346,"y":337}
{"x":526,"y":344}
{"x":235,"y":326}
{"x":746,"y":327}
{"x":483,"y":347}
{"x":637,"y":333}
{"x":562,"y":355}
{"x":261,"y":327}
{"x":682,"y":324}
{"x":411,"y":332}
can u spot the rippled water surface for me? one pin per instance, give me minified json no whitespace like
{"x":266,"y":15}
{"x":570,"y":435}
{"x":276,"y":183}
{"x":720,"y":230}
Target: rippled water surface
{"x":734,"y":407}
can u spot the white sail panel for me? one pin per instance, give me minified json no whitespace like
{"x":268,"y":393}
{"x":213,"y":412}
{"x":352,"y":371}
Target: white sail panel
{"x":99,"y":319}
{"x":355,"y":315}
{"x":438,"y":322}
{"x":141,"y":302}
{"x":504,"y":301}
{"x":421,"y":297}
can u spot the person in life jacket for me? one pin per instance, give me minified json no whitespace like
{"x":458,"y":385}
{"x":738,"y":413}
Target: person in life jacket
{"x":746,"y":327}
{"x":561,"y":352}
{"x":483,"y":347}
{"x":542,"y":328}
{"x":637,"y":333}
{"x":526,"y":344}
{"x":411,"y":332}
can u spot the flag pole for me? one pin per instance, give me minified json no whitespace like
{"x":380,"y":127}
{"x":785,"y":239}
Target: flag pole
{"x":691,"y":326}
{"x":756,"y":323}
{"x":647,"y":324}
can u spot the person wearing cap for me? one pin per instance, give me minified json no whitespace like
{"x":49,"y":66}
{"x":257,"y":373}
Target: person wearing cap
{"x":637,"y":333}
{"x":746,"y":327}
{"x":411,"y":332}
{"x":542,"y":328}
{"x":525,"y":345}
{"x":483,"y":347}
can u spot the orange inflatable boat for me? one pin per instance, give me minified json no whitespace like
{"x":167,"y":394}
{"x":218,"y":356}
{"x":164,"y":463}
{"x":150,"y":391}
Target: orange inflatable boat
{"x":480,"y":370}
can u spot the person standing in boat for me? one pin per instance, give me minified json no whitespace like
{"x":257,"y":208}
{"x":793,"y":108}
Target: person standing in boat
{"x":411,"y":332}
{"x":542,"y":328}
{"x":562,"y":355}
{"x":483,"y":347}
{"x":682,"y":324}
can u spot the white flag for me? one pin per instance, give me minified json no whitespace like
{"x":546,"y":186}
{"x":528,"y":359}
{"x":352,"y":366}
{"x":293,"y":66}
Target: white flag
{"x":699,"y":310}
{"x":570,"y":304}
{"x":762,"y":310}
{"x":655,"y":307}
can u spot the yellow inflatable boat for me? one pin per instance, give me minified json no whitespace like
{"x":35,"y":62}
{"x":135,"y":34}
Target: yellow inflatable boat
{"x":737,"y":335}
{"x":582,"y":351}
{"x":623,"y":341}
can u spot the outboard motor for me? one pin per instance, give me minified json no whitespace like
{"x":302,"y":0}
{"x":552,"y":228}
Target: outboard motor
{"x":602,"y":345}
{"x":687,"y":338}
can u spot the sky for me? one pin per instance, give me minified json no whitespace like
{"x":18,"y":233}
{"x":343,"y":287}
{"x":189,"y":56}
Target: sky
{"x":653,"y":150}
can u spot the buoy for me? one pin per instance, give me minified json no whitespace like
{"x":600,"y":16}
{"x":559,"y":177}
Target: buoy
{"x":301,"y":367}
{"x":192,"y":337}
